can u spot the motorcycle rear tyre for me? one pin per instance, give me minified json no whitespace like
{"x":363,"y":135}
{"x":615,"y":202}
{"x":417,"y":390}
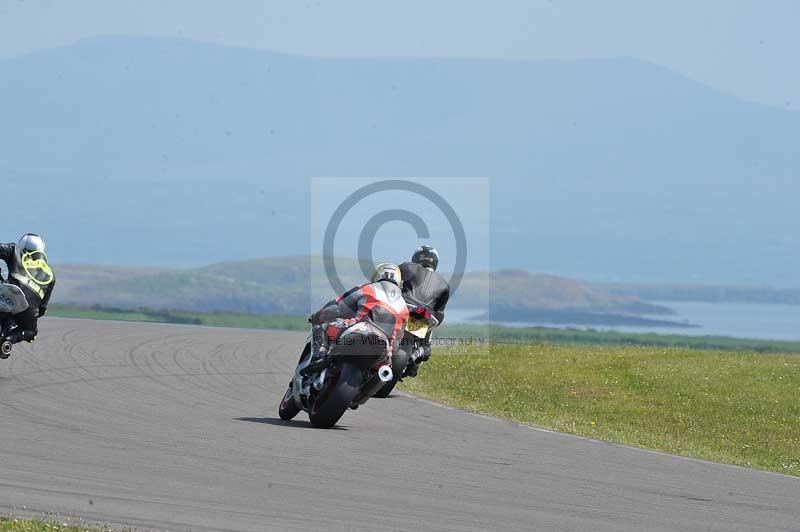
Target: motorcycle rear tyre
{"x":337,"y":396}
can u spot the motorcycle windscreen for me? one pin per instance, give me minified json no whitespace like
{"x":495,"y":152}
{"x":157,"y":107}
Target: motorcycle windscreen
{"x":12,"y":300}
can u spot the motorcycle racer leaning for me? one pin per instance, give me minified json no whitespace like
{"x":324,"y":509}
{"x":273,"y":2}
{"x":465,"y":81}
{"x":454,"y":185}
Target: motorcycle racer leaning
{"x":380,"y":301}
{"x":28,"y":269}
{"x":421,"y":284}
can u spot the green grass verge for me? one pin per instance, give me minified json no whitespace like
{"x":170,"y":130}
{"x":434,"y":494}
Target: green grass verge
{"x":210,"y":319}
{"x":15,"y":524}
{"x":738,"y":408}
{"x":533,"y":335}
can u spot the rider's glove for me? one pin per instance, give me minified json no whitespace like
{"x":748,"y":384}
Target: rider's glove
{"x":42,"y":311}
{"x":344,"y":323}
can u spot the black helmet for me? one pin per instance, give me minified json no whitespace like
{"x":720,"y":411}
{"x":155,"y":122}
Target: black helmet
{"x":426,"y":256}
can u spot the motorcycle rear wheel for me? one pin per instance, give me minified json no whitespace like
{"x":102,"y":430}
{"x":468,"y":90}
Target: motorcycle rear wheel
{"x":336,"y":397}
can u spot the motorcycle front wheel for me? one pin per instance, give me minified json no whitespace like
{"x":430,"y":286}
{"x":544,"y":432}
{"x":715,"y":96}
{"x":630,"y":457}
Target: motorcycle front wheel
{"x":336,"y":397}
{"x":288,"y":408}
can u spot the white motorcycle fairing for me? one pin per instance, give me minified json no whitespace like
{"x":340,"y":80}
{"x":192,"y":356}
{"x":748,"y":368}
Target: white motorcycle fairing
{"x":12,"y":300}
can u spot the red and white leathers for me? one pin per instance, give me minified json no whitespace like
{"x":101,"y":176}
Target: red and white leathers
{"x":381,"y":303}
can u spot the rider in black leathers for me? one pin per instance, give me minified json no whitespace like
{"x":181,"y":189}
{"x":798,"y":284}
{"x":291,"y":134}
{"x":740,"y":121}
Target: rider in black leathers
{"x":28,"y":269}
{"x":421,"y":284}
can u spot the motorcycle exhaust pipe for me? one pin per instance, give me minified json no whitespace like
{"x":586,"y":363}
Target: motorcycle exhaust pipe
{"x":375,"y":383}
{"x":385,"y":373}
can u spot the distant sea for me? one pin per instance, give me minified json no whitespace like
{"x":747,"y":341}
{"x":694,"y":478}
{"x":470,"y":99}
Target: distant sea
{"x":738,"y":320}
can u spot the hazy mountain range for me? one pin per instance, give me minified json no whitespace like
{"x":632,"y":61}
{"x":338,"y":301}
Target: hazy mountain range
{"x":704,"y":293}
{"x":297,"y":285}
{"x":176,"y":153}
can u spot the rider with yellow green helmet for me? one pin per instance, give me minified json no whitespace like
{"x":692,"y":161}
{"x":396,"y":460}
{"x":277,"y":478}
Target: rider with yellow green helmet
{"x":29,"y":270}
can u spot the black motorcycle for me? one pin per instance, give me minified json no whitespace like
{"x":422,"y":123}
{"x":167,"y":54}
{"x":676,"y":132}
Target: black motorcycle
{"x":404,"y":360}
{"x":12,"y":301}
{"x":354,"y":366}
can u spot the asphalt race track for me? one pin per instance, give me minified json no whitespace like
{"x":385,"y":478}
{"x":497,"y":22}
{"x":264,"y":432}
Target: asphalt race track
{"x":172,"y":427}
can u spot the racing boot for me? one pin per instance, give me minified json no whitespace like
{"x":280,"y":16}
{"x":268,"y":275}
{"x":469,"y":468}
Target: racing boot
{"x":19,"y":335}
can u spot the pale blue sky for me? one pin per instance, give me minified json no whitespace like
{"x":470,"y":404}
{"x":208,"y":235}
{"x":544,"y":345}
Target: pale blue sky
{"x":746,"y":48}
